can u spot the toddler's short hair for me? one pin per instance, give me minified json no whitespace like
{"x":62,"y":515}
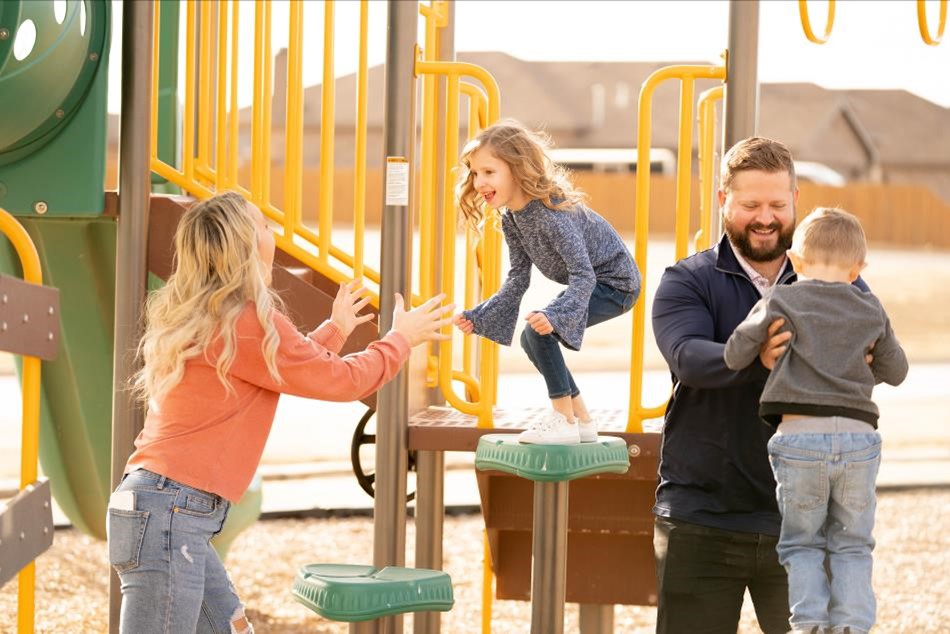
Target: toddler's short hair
{"x":830,"y":235}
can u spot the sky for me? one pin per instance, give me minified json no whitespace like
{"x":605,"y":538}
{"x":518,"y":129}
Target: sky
{"x":873,"y":44}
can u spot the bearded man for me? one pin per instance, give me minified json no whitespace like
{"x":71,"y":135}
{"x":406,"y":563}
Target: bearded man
{"x":717,"y":521}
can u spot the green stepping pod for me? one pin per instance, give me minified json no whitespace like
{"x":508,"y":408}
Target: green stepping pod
{"x":551,"y":463}
{"x":346,"y":592}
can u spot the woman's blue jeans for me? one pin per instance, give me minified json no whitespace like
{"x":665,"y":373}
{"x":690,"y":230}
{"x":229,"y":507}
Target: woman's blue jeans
{"x":544,"y":351}
{"x":172,"y":580}
{"x":826,"y":493}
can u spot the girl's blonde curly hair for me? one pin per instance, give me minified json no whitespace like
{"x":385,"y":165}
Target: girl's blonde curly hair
{"x":525,"y":153}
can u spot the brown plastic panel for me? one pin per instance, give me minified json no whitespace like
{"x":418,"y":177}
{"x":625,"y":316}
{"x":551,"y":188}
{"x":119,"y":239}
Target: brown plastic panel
{"x":29,"y":318}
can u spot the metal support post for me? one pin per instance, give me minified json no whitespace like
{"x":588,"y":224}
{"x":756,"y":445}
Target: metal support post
{"x":389,"y":520}
{"x":596,"y":618}
{"x":740,"y":113}
{"x":131,"y":241}
{"x":549,"y":557}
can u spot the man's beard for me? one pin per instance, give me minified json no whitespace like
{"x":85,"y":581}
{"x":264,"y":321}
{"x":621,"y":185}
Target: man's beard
{"x":742,"y":243}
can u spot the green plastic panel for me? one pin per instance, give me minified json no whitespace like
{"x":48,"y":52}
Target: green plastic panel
{"x":551,"y":463}
{"x":345,"y":592}
{"x":53,"y":113}
{"x":78,"y":258}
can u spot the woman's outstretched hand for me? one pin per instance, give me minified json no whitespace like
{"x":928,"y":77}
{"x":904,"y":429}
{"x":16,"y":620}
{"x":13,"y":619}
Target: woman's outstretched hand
{"x":463,"y":324}
{"x":349,"y":301}
{"x":424,"y":322}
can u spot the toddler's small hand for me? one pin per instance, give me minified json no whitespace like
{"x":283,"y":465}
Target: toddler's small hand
{"x":465,"y":325}
{"x":539,"y":322}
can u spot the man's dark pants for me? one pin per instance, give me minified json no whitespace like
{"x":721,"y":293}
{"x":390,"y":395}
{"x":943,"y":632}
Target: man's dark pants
{"x":702,"y":574}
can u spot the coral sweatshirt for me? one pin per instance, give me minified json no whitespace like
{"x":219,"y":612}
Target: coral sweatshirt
{"x":200,"y":435}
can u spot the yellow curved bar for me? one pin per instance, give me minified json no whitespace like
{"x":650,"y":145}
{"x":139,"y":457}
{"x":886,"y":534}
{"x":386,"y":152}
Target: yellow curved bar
{"x":30,"y":442}
{"x":684,"y":172}
{"x":638,"y":413}
{"x":266,"y":90}
{"x":204,"y":85}
{"x":293,"y":130}
{"x":806,"y":22}
{"x":931,"y":40}
{"x":488,"y":577}
{"x":256,"y":105}
{"x":153,"y":111}
{"x":707,"y":165}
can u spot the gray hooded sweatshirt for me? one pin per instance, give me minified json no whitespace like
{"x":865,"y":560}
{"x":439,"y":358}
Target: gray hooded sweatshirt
{"x":823,"y":372}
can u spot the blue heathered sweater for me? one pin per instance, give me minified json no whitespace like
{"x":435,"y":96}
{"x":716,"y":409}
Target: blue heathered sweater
{"x":575,"y":247}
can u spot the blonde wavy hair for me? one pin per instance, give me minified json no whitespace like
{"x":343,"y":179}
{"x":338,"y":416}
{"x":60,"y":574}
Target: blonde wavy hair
{"x":525,"y":153}
{"x":217,"y":272}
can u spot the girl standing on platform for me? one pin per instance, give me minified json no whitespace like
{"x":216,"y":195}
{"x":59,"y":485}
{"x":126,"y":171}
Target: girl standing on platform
{"x":218,"y":352}
{"x":546,"y":224}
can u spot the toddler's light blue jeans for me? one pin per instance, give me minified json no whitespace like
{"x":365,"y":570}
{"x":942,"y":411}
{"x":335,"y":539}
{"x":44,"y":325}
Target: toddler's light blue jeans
{"x":826,"y":494}
{"x":172,"y":580}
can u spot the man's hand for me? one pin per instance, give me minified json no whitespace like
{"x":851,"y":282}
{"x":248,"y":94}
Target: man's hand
{"x":539,"y":322}
{"x":775,"y":346}
{"x":349,"y":301}
{"x":465,"y":325}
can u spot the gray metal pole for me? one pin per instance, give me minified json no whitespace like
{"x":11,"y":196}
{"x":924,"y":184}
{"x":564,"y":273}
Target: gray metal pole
{"x":389,"y":520}
{"x":596,"y":618}
{"x":740,"y":115}
{"x":430,"y":465}
{"x":549,"y":554}
{"x":131,"y":241}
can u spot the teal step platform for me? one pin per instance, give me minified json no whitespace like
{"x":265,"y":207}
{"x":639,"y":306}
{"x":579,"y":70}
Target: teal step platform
{"x":346,"y":592}
{"x":551,"y":463}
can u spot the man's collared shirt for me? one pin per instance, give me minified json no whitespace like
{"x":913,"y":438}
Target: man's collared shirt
{"x":761,"y":282}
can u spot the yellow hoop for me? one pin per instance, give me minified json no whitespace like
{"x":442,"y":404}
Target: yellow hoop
{"x":925,"y":29}
{"x":806,"y":23}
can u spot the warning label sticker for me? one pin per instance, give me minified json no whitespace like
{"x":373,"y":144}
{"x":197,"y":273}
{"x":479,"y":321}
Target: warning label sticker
{"x":397,"y":181}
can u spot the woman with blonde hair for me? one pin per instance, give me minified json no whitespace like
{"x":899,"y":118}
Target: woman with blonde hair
{"x":217,"y":354}
{"x":546,"y":224}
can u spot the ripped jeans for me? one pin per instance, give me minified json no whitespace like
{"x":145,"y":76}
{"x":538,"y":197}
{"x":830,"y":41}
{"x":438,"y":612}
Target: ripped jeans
{"x":172,"y":580}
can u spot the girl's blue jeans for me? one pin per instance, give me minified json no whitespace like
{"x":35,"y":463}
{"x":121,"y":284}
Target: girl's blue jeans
{"x":826,"y":494}
{"x":544,"y":351}
{"x":172,"y":580}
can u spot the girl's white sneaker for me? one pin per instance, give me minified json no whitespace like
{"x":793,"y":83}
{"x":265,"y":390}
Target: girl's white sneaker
{"x":587,"y":431}
{"x":553,"y":429}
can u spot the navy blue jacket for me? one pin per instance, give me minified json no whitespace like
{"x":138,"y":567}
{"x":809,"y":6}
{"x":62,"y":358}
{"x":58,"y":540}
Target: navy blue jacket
{"x":714,"y":467}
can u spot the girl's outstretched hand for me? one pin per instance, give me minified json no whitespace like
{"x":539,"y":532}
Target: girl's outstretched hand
{"x":423,"y":323}
{"x":465,"y":325}
{"x":349,"y":301}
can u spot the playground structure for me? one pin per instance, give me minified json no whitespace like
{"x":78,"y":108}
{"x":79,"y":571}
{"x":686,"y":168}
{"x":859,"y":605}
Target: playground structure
{"x":106,"y":248}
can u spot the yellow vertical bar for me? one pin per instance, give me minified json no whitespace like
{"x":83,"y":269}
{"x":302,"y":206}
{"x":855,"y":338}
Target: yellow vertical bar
{"x":359,"y":171}
{"x":256,"y":105}
{"x":327,"y":122}
{"x":266,"y":122}
{"x":204,"y":82}
{"x":233,"y":113}
{"x":488,"y":577}
{"x":427,"y":183}
{"x":220,"y":128}
{"x":153,"y":115}
{"x":448,"y":232}
{"x":30,"y":390}
{"x":684,"y":163}
{"x":707,"y":163}
{"x":188,"y":123}
{"x":294,"y":126}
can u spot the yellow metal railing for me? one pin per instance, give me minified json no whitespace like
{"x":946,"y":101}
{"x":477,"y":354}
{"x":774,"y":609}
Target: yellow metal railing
{"x":707,"y":166}
{"x":806,"y":22}
{"x":30,"y":443}
{"x":482,"y":390}
{"x":687,"y":76}
{"x":210,"y":157}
